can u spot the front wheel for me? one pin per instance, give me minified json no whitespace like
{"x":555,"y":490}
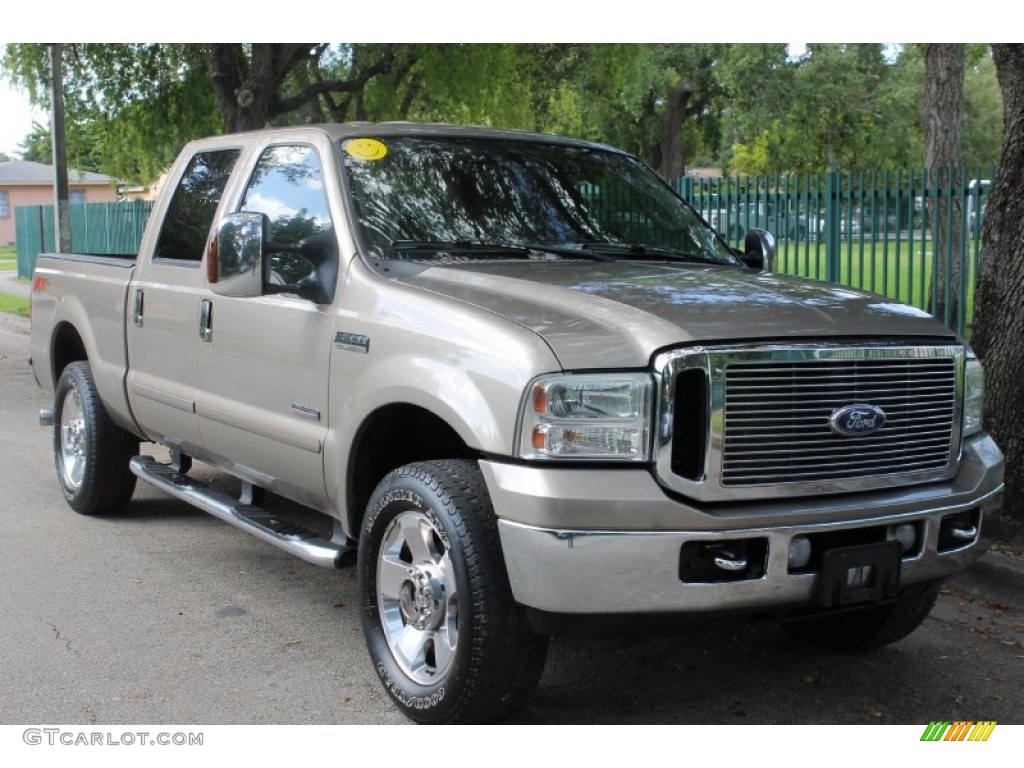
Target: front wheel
{"x":444,"y":633}
{"x":90,"y":452}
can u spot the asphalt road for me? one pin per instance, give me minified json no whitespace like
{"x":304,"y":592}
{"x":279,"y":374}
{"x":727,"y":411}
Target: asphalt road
{"x":164,"y":615}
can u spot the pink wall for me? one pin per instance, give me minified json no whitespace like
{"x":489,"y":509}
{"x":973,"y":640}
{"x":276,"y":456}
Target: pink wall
{"x":24,"y":194}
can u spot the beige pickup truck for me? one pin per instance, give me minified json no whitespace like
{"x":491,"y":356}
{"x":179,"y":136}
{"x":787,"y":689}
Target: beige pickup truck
{"x":526,"y":388}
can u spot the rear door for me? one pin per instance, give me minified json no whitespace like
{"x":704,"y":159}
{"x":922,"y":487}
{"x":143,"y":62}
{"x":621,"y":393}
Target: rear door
{"x":163,"y":304}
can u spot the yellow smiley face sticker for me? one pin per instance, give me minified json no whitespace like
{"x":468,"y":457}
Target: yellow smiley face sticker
{"x":366,"y":149}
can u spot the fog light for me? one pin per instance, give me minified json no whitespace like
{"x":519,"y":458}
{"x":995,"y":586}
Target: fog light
{"x":906,"y":535}
{"x":799,"y":552}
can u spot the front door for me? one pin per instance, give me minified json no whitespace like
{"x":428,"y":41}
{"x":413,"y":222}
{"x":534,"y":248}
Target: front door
{"x":264,"y":362}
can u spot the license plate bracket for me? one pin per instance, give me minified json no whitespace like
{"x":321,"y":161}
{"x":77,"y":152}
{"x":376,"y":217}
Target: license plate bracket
{"x":861,"y":574}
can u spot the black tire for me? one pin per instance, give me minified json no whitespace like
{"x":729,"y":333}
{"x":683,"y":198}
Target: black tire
{"x":469,"y":653}
{"x":90,"y":452}
{"x":869,"y":628}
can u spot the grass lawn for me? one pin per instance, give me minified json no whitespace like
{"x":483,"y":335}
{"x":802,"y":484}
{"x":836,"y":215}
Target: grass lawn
{"x":898,"y":269}
{"x":8,"y":258}
{"x":14,"y":305}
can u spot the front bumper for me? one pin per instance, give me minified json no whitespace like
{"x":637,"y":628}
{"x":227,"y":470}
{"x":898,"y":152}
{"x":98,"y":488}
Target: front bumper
{"x":586,"y":541}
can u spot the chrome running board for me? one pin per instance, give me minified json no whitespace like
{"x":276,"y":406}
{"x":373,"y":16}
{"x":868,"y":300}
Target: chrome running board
{"x":262,"y":524}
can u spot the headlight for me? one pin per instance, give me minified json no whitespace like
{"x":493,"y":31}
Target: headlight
{"x":974,"y":395}
{"x":587,"y":416}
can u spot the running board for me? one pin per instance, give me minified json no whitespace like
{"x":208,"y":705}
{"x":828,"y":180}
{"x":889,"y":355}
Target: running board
{"x":262,"y":524}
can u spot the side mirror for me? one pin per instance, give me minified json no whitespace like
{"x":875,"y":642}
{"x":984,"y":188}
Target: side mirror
{"x":234,"y":261}
{"x":320,"y":252}
{"x":239,"y":261}
{"x":759,"y":250}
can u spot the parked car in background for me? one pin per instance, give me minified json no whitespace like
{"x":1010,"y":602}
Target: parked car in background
{"x":977,"y":200}
{"x":788,"y":221}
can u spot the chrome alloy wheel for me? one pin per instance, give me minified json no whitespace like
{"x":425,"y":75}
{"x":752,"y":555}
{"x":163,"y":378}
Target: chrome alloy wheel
{"x":74,"y":437}
{"x":417,"y":595}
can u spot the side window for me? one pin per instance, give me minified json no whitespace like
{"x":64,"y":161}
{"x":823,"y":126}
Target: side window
{"x":287,"y":185}
{"x":190,"y":214}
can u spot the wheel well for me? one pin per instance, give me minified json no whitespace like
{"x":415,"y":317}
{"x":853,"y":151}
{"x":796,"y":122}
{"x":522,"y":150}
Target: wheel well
{"x":390,"y":438}
{"x":67,"y":348}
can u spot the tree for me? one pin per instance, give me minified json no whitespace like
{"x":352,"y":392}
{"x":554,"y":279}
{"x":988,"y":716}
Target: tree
{"x":142,"y":102}
{"x":4,"y":157}
{"x":36,"y":147}
{"x":656,"y":101}
{"x":945,"y":65}
{"x":998,"y":335}
{"x":983,"y":109}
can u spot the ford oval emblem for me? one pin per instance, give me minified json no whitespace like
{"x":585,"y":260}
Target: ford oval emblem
{"x":857,"y":420}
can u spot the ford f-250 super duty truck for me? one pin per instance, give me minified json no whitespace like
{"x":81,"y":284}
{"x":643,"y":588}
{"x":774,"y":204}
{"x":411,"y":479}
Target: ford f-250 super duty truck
{"x":528,"y":388}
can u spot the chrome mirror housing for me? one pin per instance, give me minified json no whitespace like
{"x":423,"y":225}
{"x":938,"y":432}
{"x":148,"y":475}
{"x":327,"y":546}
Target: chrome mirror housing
{"x":235,"y":263}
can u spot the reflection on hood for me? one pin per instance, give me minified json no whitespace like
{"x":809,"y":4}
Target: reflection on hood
{"x":619,"y":314}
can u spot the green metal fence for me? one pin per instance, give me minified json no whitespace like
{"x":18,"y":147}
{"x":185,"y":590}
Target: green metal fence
{"x":889,"y":233}
{"x":111,"y":228}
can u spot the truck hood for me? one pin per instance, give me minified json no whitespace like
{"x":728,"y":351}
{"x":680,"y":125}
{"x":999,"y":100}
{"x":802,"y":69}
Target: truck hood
{"x":616,"y":315}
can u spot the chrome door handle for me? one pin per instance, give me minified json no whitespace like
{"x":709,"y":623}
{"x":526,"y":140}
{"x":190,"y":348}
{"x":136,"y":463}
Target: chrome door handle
{"x":206,"y":320}
{"x":137,"y":308}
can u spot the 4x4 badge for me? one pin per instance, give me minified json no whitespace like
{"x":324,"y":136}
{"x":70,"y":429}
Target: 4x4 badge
{"x":857,"y":420}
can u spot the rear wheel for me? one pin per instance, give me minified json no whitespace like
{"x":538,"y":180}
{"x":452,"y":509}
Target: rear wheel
{"x":446,"y":637}
{"x":868,"y":628}
{"x":90,"y":452}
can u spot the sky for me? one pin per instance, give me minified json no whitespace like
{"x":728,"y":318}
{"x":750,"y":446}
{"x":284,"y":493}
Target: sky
{"x":16,"y":116}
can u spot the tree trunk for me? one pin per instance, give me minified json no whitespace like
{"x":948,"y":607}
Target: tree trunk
{"x":998,"y":336}
{"x":246,"y":87}
{"x":943,"y":113}
{"x":671,"y":152}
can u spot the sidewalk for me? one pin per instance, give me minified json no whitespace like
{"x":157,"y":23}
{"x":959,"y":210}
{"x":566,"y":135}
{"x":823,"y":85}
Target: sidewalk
{"x":11,"y":285}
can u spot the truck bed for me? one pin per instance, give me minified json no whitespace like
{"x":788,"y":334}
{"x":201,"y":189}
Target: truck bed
{"x":85,"y":295}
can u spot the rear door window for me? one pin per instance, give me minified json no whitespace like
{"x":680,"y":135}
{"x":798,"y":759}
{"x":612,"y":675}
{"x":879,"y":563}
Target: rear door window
{"x":190,"y":215}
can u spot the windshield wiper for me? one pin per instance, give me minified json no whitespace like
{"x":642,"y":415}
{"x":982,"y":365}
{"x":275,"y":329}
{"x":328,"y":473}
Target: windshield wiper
{"x":645,"y":251}
{"x":474,"y":247}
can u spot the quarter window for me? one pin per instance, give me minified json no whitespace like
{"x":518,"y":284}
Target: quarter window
{"x":190,"y":215}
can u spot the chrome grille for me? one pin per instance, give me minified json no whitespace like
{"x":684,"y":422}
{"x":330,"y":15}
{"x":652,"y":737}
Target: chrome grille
{"x":776,"y":419}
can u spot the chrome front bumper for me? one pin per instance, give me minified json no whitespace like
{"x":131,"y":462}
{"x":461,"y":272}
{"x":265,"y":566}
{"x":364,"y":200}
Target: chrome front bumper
{"x":620,"y":549}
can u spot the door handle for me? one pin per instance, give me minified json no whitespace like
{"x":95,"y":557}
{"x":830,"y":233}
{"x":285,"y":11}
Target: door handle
{"x":206,"y":320}
{"x":137,"y":308}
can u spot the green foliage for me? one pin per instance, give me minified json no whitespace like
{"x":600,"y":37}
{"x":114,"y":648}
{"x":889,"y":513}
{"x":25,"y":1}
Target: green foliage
{"x":983,"y":109}
{"x":753,"y":159}
{"x":37,"y":147}
{"x":746,"y":107}
{"x":130,"y":107}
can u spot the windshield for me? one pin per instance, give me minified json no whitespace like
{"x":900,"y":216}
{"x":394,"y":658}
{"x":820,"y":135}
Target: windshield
{"x":414,"y":196}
